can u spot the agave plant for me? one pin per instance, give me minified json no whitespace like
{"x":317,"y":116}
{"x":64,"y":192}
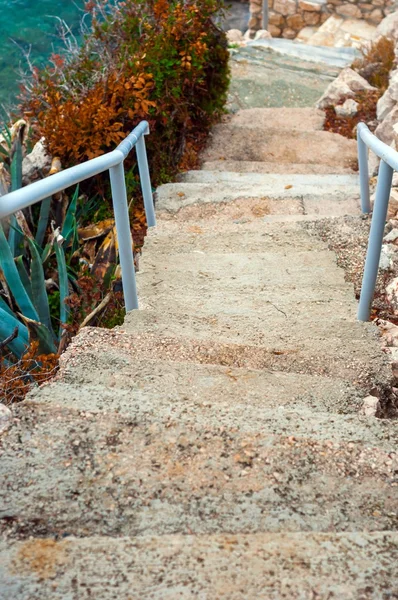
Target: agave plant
{"x":24,"y":303}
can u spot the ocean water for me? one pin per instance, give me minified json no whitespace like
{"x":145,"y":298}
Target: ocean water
{"x":30,"y":24}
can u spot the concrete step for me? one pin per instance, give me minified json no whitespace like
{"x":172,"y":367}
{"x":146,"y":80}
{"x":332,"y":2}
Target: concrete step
{"x":152,"y":389}
{"x":231,"y":142}
{"x":275,"y":181}
{"x":264,"y":78}
{"x":67,"y":472}
{"x":255,"y":166}
{"x":272,"y":197}
{"x":178,"y":389}
{"x":291,"y":119}
{"x":266,"y":566}
{"x":334,"y":57}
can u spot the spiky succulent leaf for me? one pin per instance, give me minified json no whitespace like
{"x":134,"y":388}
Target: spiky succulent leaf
{"x":13,"y":279}
{"x":8,"y":323}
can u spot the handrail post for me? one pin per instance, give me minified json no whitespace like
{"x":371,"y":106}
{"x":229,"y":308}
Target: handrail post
{"x":120,"y":207}
{"x":145,"y":182}
{"x":383,"y":191}
{"x":265,"y":15}
{"x":363,"y":173}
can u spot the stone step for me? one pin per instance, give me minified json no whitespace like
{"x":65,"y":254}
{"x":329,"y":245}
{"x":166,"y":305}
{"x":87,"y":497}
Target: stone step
{"x":266,"y":566}
{"x":275,"y":181}
{"x":67,"y":472}
{"x":264,"y":78}
{"x":283,"y":197}
{"x":334,"y":57}
{"x":291,"y":119}
{"x":316,"y":147}
{"x":153,"y":389}
{"x":176,"y":390}
{"x":253,"y":166}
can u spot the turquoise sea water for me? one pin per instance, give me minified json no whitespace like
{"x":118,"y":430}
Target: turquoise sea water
{"x":30,"y":23}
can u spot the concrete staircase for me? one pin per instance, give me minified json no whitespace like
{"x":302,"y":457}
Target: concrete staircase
{"x":213,"y":447}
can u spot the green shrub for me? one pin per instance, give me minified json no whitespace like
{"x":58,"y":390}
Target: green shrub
{"x":161,"y":60}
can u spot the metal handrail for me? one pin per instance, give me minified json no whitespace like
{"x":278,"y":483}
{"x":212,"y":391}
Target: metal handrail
{"x":388,"y":164}
{"x":113,"y":161}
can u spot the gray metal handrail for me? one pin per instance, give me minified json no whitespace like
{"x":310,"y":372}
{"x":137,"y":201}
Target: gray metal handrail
{"x":388,"y":164}
{"x":113,"y":161}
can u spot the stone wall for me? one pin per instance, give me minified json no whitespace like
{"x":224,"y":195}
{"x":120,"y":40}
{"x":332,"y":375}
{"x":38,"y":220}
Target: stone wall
{"x":288,"y":17}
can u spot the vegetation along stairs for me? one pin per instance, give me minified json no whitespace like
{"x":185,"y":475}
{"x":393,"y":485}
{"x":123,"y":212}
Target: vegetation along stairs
{"x":213,"y":446}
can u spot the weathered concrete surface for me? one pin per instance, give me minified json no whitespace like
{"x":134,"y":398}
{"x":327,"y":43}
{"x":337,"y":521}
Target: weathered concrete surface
{"x":66,"y":472}
{"x":214,"y":446}
{"x":263,"y":78}
{"x":267,"y":566}
{"x":321,"y":147}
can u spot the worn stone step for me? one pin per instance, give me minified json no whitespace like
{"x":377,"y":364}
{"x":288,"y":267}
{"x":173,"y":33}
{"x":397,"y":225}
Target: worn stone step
{"x":247,"y":166}
{"x":266,"y":566}
{"x":269,"y":198}
{"x":316,"y":147}
{"x":67,"y":472}
{"x":172,"y":389}
{"x":291,"y":119}
{"x":278,"y":181}
{"x":335,"y":57}
{"x":264,"y":78}
{"x":169,"y":392}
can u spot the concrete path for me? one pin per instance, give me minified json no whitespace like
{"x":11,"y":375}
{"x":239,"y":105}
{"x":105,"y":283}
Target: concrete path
{"x":213,"y":447}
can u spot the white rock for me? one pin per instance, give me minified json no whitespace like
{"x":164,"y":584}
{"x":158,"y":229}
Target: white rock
{"x":5,"y":417}
{"x":348,"y":109}
{"x":234,"y":35}
{"x":392,"y":295}
{"x":391,"y":237}
{"x":370,"y":406}
{"x":386,"y":258}
{"x":388,"y":26}
{"x":346,"y":84}
{"x":36,"y":163}
{"x":384,"y":130}
{"x":262,"y":34}
{"x":385,"y":104}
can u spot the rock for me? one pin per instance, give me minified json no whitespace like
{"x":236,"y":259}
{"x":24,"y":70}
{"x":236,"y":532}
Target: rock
{"x":289,"y":34}
{"x":234,"y":35}
{"x":346,"y":84}
{"x":5,"y":417}
{"x":386,"y":258}
{"x":311,"y":18}
{"x":349,"y":10}
{"x":262,"y":34}
{"x":391,"y":237}
{"x":36,"y":164}
{"x":388,"y":26}
{"x":392,"y":295}
{"x":274,"y":30}
{"x":370,"y":406}
{"x":295,"y":22}
{"x":310,"y":6}
{"x":385,"y":131}
{"x":285,"y":7}
{"x":348,"y":109}
{"x":388,"y":332}
{"x":385,"y":104}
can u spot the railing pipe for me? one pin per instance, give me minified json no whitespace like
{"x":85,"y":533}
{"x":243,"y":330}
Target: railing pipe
{"x":125,"y":243}
{"x":145,"y":182}
{"x":363,"y":174}
{"x":375,"y":240}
